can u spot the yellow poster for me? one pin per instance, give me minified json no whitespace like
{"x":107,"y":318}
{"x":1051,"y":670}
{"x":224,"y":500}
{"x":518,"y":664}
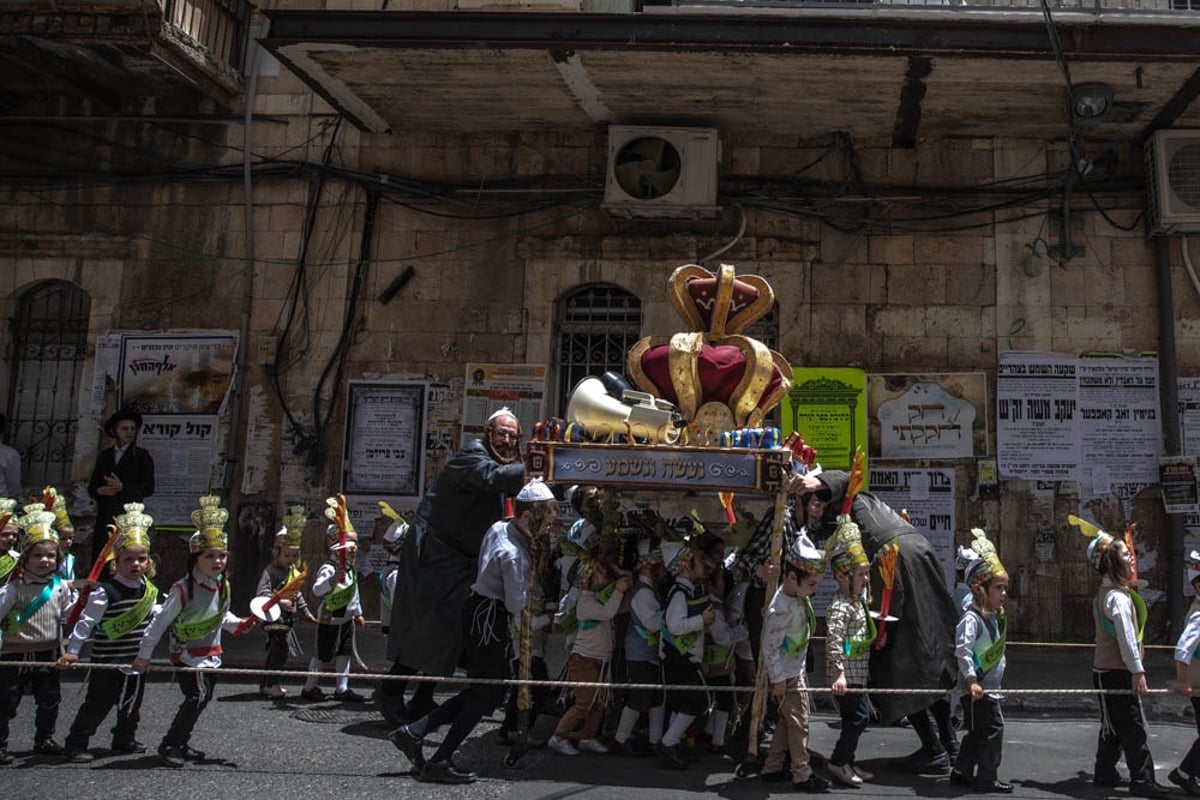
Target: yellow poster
{"x":828,"y":406}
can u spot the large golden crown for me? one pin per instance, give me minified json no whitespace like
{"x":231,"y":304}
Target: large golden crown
{"x":133,"y":527}
{"x":55,"y":502}
{"x":292,"y":533}
{"x":719,"y":379}
{"x":37,"y":524}
{"x":209,"y":520}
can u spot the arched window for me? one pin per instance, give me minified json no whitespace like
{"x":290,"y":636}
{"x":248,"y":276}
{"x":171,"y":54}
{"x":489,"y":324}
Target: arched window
{"x":596,"y":325}
{"x":50,"y":336}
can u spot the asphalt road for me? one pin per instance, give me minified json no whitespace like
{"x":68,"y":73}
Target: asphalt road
{"x":291,"y":750}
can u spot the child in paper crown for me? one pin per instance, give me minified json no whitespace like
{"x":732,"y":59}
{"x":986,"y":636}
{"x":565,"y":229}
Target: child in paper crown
{"x":8,"y":537}
{"x":601,"y":593}
{"x":642,"y":662}
{"x":980,"y":642}
{"x":851,"y":632}
{"x":117,"y":615}
{"x":337,"y":586}
{"x":1120,"y":616}
{"x":789,"y":624}
{"x":195,"y":613}
{"x":33,"y":605}
{"x":681,"y":646}
{"x":56,"y":503}
{"x":394,"y":538}
{"x":283,"y":575}
{"x":1187,"y":681}
{"x":963,"y":558}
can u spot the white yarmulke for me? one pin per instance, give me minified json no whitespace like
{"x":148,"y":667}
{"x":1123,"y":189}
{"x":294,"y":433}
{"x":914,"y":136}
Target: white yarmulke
{"x":535,"y":492}
{"x":503,"y":411}
{"x":395,"y":532}
{"x":1193,"y":566}
{"x":965,"y":557}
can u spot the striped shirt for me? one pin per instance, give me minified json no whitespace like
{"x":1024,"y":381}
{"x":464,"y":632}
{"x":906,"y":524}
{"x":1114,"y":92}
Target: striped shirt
{"x":105,"y":603}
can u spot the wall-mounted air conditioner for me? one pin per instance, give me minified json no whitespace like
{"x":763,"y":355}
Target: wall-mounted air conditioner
{"x":661,"y":172}
{"x":1173,"y":180}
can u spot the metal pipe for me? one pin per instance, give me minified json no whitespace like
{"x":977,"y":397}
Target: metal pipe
{"x":1168,"y":392}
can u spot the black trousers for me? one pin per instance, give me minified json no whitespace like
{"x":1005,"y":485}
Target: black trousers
{"x":486,"y":641}
{"x":642,"y":700}
{"x":679,"y":670}
{"x":197,"y":688}
{"x":537,"y":694}
{"x":277,"y":655}
{"x":43,"y":678}
{"x":108,"y":688}
{"x":1191,"y":762}
{"x":1122,"y":728}
{"x":855,"y":708}
{"x":981,"y":749}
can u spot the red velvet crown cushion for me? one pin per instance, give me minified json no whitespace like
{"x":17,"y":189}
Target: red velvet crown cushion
{"x":721,"y":368}
{"x":703,"y":292}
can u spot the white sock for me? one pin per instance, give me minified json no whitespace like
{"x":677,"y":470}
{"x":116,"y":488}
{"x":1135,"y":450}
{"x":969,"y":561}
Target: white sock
{"x":657,"y":717}
{"x":314,"y":665}
{"x":679,"y":726}
{"x":629,"y":718}
{"x":341,"y":665}
{"x":1182,"y":774}
{"x":720,"y":721}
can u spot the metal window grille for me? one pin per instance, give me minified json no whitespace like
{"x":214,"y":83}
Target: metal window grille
{"x":597,"y":324}
{"x":50,"y":336}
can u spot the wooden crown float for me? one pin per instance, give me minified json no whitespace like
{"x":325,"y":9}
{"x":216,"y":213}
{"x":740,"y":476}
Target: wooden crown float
{"x":695,"y":416}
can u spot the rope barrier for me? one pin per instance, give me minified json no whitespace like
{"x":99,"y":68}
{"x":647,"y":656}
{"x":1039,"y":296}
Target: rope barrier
{"x":465,"y":680}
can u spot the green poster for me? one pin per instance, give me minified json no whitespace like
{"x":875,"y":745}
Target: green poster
{"x":828,"y":406}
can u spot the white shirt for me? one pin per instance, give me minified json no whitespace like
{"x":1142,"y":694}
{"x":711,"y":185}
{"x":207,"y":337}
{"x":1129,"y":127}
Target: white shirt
{"x":787,"y":617}
{"x":323,"y":585}
{"x":503,"y":566}
{"x":677,"y":621}
{"x":10,"y":472}
{"x":1118,"y":608}
{"x":206,"y":592}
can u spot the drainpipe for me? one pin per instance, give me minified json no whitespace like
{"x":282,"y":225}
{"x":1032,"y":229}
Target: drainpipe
{"x":1168,"y":376}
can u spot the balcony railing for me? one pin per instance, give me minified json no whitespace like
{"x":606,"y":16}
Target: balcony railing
{"x":217,"y":26}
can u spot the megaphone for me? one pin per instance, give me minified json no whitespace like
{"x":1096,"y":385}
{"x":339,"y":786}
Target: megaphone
{"x":643,"y":414}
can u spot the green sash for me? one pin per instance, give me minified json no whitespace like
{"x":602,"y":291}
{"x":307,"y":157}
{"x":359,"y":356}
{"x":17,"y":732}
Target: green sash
{"x":648,"y":636}
{"x":603,"y":596}
{"x":991,"y":655}
{"x":131,"y":617}
{"x":191,"y":629}
{"x":857,"y":648}
{"x":1140,"y":612}
{"x":12,"y":623}
{"x":340,"y":598}
{"x":792,"y":648}
{"x":568,"y":623}
{"x":8,"y":563}
{"x":715,"y":653}
{"x":685,"y":642}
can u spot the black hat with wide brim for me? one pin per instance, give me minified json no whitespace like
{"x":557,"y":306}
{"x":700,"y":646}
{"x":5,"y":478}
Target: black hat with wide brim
{"x":110,"y":426}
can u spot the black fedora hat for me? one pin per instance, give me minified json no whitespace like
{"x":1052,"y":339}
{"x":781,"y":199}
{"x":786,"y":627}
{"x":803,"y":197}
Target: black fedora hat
{"x":110,"y":425}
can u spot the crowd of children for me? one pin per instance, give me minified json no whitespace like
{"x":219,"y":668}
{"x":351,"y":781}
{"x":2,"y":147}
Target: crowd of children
{"x":666,"y":610}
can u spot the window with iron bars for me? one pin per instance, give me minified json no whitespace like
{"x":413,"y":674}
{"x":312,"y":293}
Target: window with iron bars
{"x":595,"y":326}
{"x":50,"y":337}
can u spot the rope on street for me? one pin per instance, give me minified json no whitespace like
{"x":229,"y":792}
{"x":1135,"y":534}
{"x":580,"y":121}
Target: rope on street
{"x":464,"y":680}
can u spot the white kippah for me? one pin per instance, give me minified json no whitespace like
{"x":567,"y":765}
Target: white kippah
{"x":535,"y":491}
{"x":503,"y":411}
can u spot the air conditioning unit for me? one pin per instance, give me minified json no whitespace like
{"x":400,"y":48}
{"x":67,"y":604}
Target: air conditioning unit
{"x":1173,"y":180}
{"x":662,"y":173}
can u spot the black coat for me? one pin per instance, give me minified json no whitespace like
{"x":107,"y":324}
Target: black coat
{"x":919,"y":651}
{"x":136,"y":471}
{"x":434,"y":578}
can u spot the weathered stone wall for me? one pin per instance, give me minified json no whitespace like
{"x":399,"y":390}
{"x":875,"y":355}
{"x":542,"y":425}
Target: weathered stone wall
{"x":922,"y":298}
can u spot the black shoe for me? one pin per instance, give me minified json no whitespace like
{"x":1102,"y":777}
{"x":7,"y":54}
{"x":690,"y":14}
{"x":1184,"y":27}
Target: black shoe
{"x":6,"y":757}
{"x":80,"y":756}
{"x":171,"y":756}
{"x":993,"y":787}
{"x":778,"y":776}
{"x":960,"y":779}
{"x":349,"y":696}
{"x":1150,"y":788}
{"x":921,"y":763}
{"x":410,"y":745}
{"x":1189,"y":784}
{"x":634,"y":748}
{"x":130,"y":746}
{"x":314,"y":694}
{"x":191,"y":755}
{"x":48,"y":747}
{"x":670,"y":756}
{"x":814,"y":784}
{"x":1108,"y":780}
{"x":391,"y":707}
{"x":444,"y":772}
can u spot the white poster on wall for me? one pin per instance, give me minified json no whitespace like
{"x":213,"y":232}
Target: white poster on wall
{"x":1120,"y":431}
{"x":1037,"y":424}
{"x":490,"y":387}
{"x":1189,"y":415}
{"x":183,"y":447}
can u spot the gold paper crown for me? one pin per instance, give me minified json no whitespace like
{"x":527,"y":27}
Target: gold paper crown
{"x":8,"y":507}
{"x":54,"y":501}
{"x":209,"y":520}
{"x":335,"y":512}
{"x":292,"y":532}
{"x":37,"y":525}
{"x":133,"y":528}
{"x":845,"y":545}
{"x":988,"y":563}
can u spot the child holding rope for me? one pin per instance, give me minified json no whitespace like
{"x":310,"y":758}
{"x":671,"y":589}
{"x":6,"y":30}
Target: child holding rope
{"x":283,"y":570}
{"x":981,"y":638}
{"x":642,"y":662}
{"x":33,"y":605}
{"x":195,"y":613}
{"x":116,"y":617}
{"x":1120,"y":616}
{"x":1187,"y":678}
